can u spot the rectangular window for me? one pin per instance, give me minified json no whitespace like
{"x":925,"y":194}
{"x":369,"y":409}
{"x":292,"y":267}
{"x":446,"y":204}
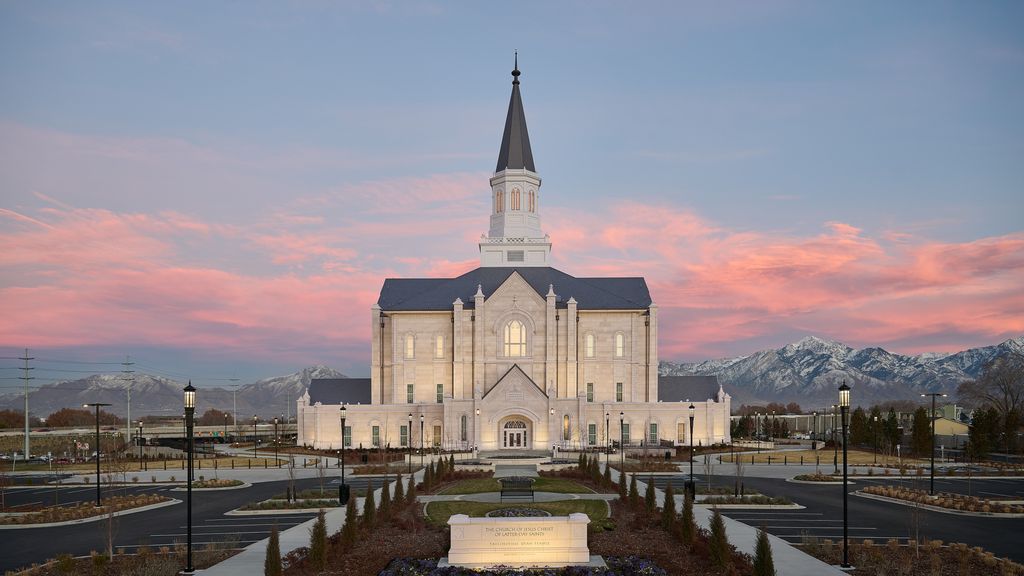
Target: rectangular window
{"x":588,"y":346}
{"x":566,"y":428}
{"x":618,"y":391}
{"x":592,"y":434}
{"x":437,"y":435}
{"x":403,"y":435}
{"x":590,"y":391}
{"x":440,"y":393}
{"x":653,"y":435}
{"x":348,"y":436}
{"x":375,"y":436}
{"x":464,"y":428}
{"x":439,"y":346}
{"x":516,"y":256}
{"x":410,"y":346}
{"x":620,"y":345}
{"x":408,"y":394}
{"x":681,"y":432}
{"x":625,"y":434}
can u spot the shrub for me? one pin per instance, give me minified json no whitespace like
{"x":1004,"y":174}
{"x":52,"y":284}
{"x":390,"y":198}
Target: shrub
{"x":668,"y":511}
{"x":688,"y":529}
{"x":399,"y":497}
{"x":634,"y":494}
{"x":135,"y":479}
{"x":385,"y":501}
{"x":272,"y":561}
{"x":66,"y":564}
{"x":410,"y":494}
{"x":349,"y":530}
{"x":763,"y":563}
{"x":606,"y":480}
{"x":622,"y":486}
{"x":650,"y":498}
{"x":719,"y":542}
{"x":369,"y":506}
{"x":318,"y":542}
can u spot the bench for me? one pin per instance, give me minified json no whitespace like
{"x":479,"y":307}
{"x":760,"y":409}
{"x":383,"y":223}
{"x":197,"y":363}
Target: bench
{"x":516,"y":488}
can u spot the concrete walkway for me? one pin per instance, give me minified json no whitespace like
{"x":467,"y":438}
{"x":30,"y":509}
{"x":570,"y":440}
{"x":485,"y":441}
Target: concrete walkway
{"x":495,"y":497}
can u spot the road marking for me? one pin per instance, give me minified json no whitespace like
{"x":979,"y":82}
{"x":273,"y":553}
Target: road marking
{"x":824,"y":527}
{"x":995,"y":493}
{"x":209,"y":533}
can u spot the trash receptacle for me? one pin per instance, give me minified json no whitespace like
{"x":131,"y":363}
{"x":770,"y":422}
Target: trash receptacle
{"x":690,"y":488}
{"x":364,"y":458}
{"x":343,"y":494}
{"x":668,"y":455}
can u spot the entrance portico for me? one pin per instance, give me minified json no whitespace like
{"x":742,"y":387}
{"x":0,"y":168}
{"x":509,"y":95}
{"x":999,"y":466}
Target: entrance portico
{"x":515,"y":433}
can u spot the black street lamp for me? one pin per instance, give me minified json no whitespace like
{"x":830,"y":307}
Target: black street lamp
{"x":622,"y":444}
{"x":343,"y":488}
{"x":844,"y":406}
{"x":275,"y":441}
{"x":190,"y":410}
{"x":97,"y":406}
{"x":421,"y":440}
{"x":835,"y":446}
{"x":254,"y":437}
{"x":225,"y":428}
{"x":874,"y":427}
{"x":934,"y":395}
{"x":408,"y":439}
{"x":771,"y":431}
{"x":607,"y":438}
{"x":140,"y":443}
{"x":814,"y":430}
{"x":692,"y":487}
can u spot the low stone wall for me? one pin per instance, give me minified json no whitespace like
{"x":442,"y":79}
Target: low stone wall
{"x":519,"y":542}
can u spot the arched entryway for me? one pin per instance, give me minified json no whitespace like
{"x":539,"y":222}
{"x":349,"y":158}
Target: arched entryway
{"x":515,"y":433}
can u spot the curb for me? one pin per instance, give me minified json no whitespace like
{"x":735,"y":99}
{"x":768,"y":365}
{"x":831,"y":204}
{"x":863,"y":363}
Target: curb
{"x":937,"y":508}
{"x":237,"y":512}
{"x":238,"y":487}
{"x":751,"y":506}
{"x":836,"y":483}
{"x":96,"y":518}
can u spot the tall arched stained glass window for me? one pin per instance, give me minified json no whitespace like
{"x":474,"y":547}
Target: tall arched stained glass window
{"x":515,"y":339}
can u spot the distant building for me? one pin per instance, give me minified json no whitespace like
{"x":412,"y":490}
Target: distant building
{"x":514,"y":354}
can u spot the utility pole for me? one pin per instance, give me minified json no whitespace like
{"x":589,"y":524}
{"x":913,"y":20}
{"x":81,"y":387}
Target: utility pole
{"x":130,"y":375}
{"x":26,"y":378}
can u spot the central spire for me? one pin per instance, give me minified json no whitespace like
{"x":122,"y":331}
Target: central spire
{"x":515,"y":150}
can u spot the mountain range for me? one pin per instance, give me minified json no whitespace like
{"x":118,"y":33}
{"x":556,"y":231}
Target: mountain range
{"x":809,"y":372}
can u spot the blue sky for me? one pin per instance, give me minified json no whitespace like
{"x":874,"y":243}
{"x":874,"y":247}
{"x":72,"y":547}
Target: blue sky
{"x":858,"y":161}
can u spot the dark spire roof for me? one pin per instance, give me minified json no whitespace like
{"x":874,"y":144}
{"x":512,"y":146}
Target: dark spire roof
{"x":515,"y":150}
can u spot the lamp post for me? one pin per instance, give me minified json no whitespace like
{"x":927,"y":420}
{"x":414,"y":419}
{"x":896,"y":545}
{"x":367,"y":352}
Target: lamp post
{"x":408,"y":432}
{"x":95,"y":405}
{"x":622,"y":444}
{"x":607,"y":438}
{"x":874,"y":427}
{"x":343,"y":488}
{"x":254,"y":438}
{"x":225,"y":428}
{"x":275,"y":441}
{"x":934,"y":395}
{"x":771,"y":431}
{"x":835,"y":446}
{"x":190,"y":410}
{"x":692,"y":487}
{"x":139,"y":437}
{"x":421,"y":440}
{"x":844,"y":406}
{"x":814,"y":429}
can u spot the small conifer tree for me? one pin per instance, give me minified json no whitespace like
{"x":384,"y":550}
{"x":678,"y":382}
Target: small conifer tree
{"x":763,"y":563}
{"x":634,"y":494}
{"x":650,"y":497}
{"x":622,"y":486}
{"x":399,"y":497}
{"x":451,"y":463}
{"x":369,"y":506}
{"x":719,"y":542}
{"x":580,"y":464}
{"x":428,"y":474}
{"x":668,"y":511}
{"x":351,"y":527}
{"x":410,"y":494}
{"x":607,"y":478}
{"x":318,"y":542}
{"x":385,"y":501}
{"x":688,"y":528}
{"x":595,"y":470}
{"x":272,"y":562}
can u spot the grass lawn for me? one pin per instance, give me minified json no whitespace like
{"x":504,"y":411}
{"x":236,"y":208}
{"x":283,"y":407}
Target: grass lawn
{"x":854,"y":458}
{"x":543,"y":484}
{"x":439,"y":512}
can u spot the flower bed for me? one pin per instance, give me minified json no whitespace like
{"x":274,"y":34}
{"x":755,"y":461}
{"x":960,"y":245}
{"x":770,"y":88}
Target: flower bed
{"x":759,"y":500}
{"x":517,"y":512}
{"x":624,"y":566}
{"x":923,"y":559}
{"x":85,"y":509}
{"x":216,"y":483}
{"x":816,"y":477}
{"x":293,"y":505}
{"x":945,"y":500}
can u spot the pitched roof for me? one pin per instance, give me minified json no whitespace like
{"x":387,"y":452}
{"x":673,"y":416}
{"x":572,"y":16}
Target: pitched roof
{"x":339,"y":391}
{"x":683,"y":388}
{"x":515,"y":149}
{"x":438,"y":293}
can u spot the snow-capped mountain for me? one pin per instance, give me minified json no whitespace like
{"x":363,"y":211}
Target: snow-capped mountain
{"x":159,"y":396}
{"x":809,"y":371}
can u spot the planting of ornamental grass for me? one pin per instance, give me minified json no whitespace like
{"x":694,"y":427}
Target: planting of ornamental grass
{"x":929,"y":558}
{"x":83,"y":510}
{"x":945,"y":500}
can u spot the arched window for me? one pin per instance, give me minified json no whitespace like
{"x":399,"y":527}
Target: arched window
{"x":533,"y":201}
{"x":620,"y":345}
{"x":515,"y":339}
{"x":499,"y":201}
{"x":566,"y":428}
{"x":515,"y":198}
{"x":589,"y":346}
{"x":439,"y":346}
{"x":463,"y":428}
{"x":410,"y":346}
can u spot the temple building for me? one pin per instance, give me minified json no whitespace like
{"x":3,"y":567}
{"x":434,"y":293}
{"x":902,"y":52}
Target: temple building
{"x":515,"y":354}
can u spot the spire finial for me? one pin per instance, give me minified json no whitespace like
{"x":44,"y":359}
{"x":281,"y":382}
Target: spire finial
{"x":515,"y":70}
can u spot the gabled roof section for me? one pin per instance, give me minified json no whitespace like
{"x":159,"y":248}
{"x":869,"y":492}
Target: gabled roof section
{"x":515,"y":152}
{"x":518,"y":372}
{"x":683,"y":388}
{"x":431,"y":294}
{"x":339,"y":391}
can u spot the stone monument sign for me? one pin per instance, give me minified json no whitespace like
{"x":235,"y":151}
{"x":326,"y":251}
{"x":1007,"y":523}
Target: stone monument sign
{"x":519,"y":542}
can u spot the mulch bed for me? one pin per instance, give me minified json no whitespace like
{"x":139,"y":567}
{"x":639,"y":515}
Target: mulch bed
{"x":930,"y":559}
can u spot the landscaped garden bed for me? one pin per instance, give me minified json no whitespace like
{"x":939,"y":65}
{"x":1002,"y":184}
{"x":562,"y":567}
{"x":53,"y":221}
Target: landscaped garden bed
{"x":759,"y":500}
{"x":647,"y":465}
{"x":946,"y":500}
{"x":628,"y":566}
{"x":818,"y":477}
{"x":275,"y":504}
{"x":84,"y":510}
{"x":439,"y":512}
{"x":926,"y":559}
{"x":165,"y":562}
{"x":544,"y":483}
{"x":216,"y":483}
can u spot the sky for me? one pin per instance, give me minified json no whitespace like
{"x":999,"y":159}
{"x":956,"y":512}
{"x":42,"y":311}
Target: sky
{"x":217,"y":190}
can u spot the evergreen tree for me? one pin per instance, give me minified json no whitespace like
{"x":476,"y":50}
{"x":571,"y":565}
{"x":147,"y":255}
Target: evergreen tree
{"x":399,"y":497}
{"x":718,"y":545}
{"x":622,"y":486}
{"x":318,"y":542}
{"x":650,"y":497}
{"x":451,"y":463}
{"x":369,"y":506}
{"x":410,"y":494}
{"x":688,"y":527}
{"x":428,"y":474}
{"x":385,"y":501}
{"x":921,"y":433}
{"x":272,"y":562}
{"x":634,"y":494}
{"x":580,"y":464}
{"x":606,"y":480}
{"x":595,"y":470}
{"x":668,"y":511}
{"x":351,"y":527}
{"x":763,"y":563}
{"x":859,"y":433}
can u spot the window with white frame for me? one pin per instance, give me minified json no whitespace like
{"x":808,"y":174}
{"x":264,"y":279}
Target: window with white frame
{"x":410,"y":346}
{"x":403,"y":435}
{"x":515,"y":339}
{"x":588,"y":346}
{"x":436,"y":440}
{"x":620,"y":345}
{"x":409,"y":396}
{"x":464,"y":428}
{"x":347,"y":437}
{"x":618,"y":391}
{"x":375,"y":436}
{"x":681,"y":432}
{"x":566,"y":428}
{"x":592,"y":434}
{"x":652,"y":436}
{"x":624,"y":438}
{"x":440,"y":393}
{"x":590,"y":391}
{"x":439,"y":346}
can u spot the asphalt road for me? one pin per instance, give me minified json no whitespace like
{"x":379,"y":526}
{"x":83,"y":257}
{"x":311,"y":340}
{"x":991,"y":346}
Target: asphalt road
{"x":161,"y":527}
{"x":880,"y":521}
